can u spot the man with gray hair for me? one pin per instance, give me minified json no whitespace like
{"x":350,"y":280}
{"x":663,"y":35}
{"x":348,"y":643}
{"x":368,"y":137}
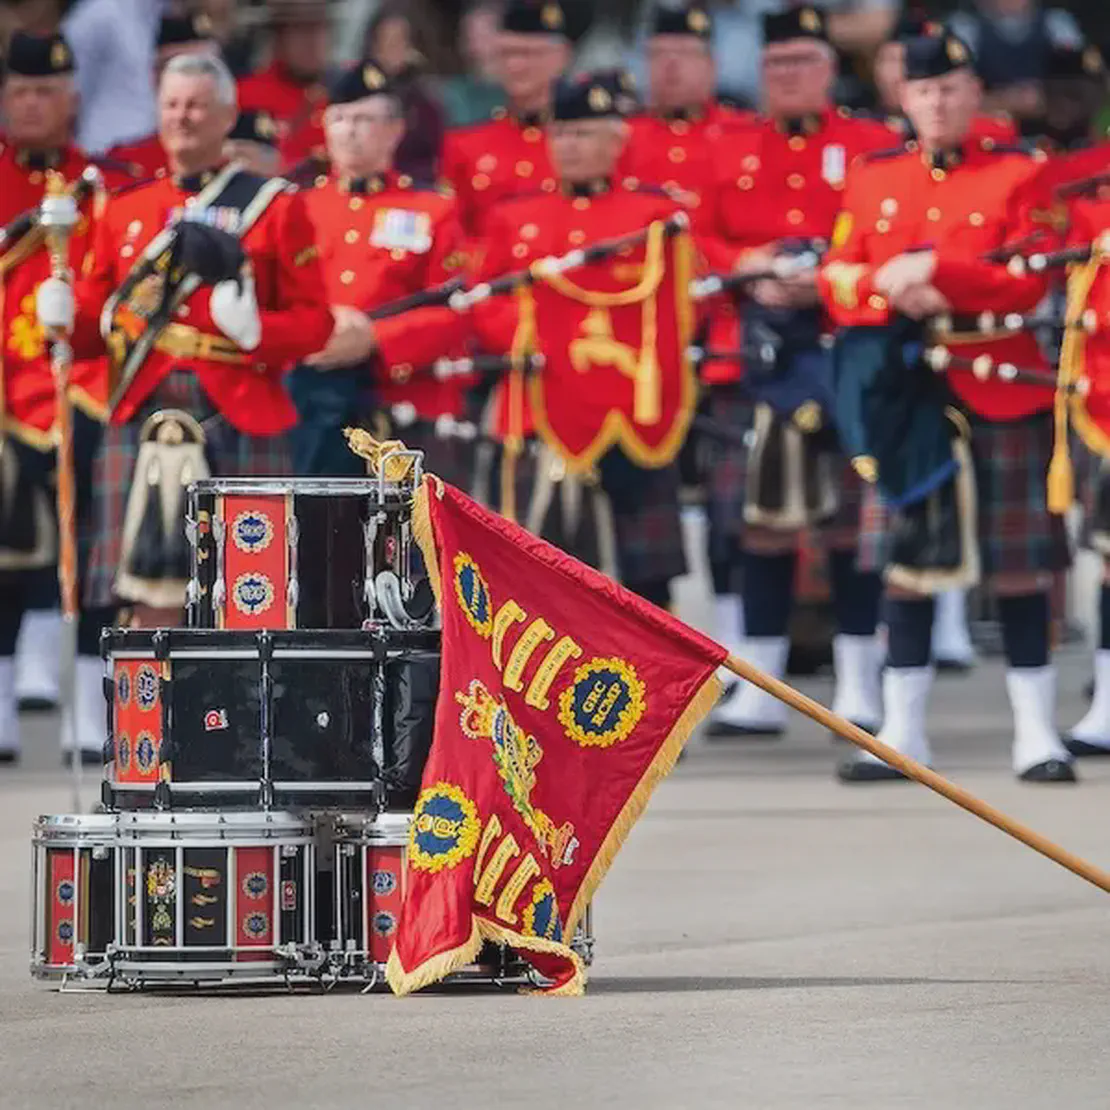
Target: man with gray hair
{"x":203,"y":286}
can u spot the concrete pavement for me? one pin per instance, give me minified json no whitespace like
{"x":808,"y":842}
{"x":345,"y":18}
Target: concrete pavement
{"x":767,"y":939}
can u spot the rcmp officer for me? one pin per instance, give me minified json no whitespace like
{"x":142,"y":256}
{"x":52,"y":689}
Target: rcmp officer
{"x":184,"y":34}
{"x":381,"y":237}
{"x":676,"y":142}
{"x":675,"y":145}
{"x":508,"y":156}
{"x":586,"y":136}
{"x":779,"y":187}
{"x":203,"y":286}
{"x":909,"y":246}
{"x":293,"y":87}
{"x":38,"y":104}
{"x":890,"y":77}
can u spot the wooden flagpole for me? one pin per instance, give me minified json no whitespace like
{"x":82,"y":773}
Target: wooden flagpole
{"x":918,"y":772}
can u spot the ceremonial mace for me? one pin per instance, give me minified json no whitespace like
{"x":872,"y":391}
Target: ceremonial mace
{"x":58,"y":217}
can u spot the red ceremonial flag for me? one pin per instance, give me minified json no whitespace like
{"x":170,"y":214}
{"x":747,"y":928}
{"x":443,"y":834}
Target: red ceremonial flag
{"x":614,"y":342}
{"x":563,"y":700}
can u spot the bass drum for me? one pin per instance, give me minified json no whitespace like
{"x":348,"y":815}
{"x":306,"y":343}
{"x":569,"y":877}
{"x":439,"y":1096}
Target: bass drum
{"x":143,"y":898}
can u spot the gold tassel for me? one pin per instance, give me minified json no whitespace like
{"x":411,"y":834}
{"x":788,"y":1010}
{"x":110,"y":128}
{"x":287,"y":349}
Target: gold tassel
{"x":1061,"y":474}
{"x":524,"y":345}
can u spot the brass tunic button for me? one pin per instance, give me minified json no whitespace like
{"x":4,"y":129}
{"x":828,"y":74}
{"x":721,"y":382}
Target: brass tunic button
{"x":519,"y":250}
{"x":937,"y":175}
{"x":745,"y":182}
{"x":355,"y":203}
{"x":396,"y":254}
{"x":796,"y":143}
{"x":796,"y":181}
{"x":876,"y":302}
{"x":795,"y":216}
{"x":676,"y":154}
{"x":321,"y":180}
{"x":548,"y":185}
{"x":977,"y":219}
{"x":479,"y":182}
{"x":679,"y":127}
{"x":631,"y":183}
{"x":126,"y":251}
{"x":347,"y":277}
{"x":486,"y":163}
{"x":351,"y":236}
{"x":581,"y":203}
{"x":933,"y":215}
{"x":524,"y":168}
{"x":577,"y":237}
{"x":401,"y":372}
{"x":532,"y":134}
{"x":882,"y":227}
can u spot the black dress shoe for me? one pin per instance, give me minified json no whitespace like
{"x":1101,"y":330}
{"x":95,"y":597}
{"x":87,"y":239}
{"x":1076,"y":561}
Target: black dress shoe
{"x":1081,"y":747}
{"x":871,"y":730}
{"x":867,"y":770}
{"x":725,"y":730}
{"x":953,"y":666}
{"x":9,"y":758}
{"x":37,"y":705}
{"x":1051,"y":770}
{"x":89,"y":758}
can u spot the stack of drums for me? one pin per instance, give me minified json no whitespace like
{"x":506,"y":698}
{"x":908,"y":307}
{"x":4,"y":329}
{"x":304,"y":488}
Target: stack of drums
{"x":262,"y":762}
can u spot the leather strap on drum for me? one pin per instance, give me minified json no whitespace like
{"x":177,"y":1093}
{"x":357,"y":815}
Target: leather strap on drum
{"x":154,"y":563}
{"x":792,"y":474}
{"x":141,"y":293}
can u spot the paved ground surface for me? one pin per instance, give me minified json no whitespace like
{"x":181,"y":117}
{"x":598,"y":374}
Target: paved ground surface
{"x":767,"y":939}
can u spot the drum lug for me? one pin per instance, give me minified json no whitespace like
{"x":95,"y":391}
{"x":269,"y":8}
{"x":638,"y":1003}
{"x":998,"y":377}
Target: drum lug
{"x":163,"y":799}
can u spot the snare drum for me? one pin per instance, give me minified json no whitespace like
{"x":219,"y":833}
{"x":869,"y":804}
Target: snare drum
{"x":294,"y":553}
{"x":283,"y":719}
{"x":370,"y":879}
{"x":167,"y":896}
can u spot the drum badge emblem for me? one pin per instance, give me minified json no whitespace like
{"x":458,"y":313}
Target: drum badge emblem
{"x":256,"y":884}
{"x":603,"y":704}
{"x":145,"y":753}
{"x":65,"y":931}
{"x":252,"y":531}
{"x":123,"y":751}
{"x":253,"y":593}
{"x":256,"y":925}
{"x":65,"y":892}
{"x":146,"y":687}
{"x":215,"y":720}
{"x":385,"y":924}
{"x":541,"y":918}
{"x":384,"y":883}
{"x":444,"y":830}
{"x":472,"y":592}
{"x":123,"y":689}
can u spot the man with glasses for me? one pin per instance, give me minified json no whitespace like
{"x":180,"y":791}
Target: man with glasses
{"x":508,"y":156}
{"x":778,"y":190}
{"x":381,"y":237}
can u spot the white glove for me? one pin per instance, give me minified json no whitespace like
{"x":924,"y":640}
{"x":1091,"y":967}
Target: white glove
{"x":55,"y":305}
{"x":235,"y":312}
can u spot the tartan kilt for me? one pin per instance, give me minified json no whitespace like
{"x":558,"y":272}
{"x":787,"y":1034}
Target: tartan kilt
{"x":647,"y":526}
{"x":1016,"y":532}
{"x":230,"y":454}
{"x":727,"y":467}
{"x":41,"y":468}
{"x":1092,"y":472}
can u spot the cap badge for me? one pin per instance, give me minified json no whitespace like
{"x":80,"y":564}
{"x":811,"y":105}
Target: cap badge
{"x":697,"y":21}
{"x":599,"y":99}
{"x":810,"y":21}
{"x":59,"y":56}
{"x":551,"y":16}
{"x":956,"y":51}
{"x":372,"y":77}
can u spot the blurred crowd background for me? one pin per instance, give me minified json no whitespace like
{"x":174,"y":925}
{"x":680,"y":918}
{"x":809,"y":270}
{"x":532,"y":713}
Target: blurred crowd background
{"x":444,"y":52}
